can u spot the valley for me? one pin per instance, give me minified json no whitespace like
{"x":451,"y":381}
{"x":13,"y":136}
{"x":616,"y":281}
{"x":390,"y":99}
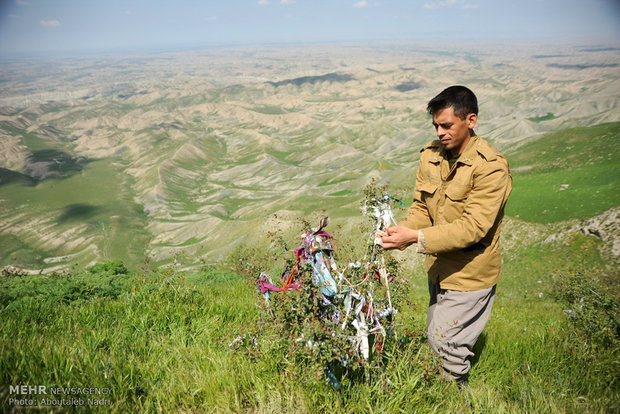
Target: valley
{"x":190,"y":153}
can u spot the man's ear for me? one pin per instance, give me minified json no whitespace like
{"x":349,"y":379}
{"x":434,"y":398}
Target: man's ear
{"x":471,"y":120}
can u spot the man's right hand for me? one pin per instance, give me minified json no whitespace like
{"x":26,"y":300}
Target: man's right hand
{"x":399,"y":237}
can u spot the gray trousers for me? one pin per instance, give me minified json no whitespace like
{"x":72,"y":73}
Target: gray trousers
{"x":454,"y":323}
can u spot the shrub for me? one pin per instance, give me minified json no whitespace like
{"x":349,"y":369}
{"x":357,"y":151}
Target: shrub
{"x":592,"y":302}
{"x":65,"y":287}
{"x":12,"y":271}
{"x":311,"y":331}
{"x":115,"y":267}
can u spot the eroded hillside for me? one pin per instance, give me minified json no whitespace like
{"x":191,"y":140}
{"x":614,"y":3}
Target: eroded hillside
{"x":118,"y":157}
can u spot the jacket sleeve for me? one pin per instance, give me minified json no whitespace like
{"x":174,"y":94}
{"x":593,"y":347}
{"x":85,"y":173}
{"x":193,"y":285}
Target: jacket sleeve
{"x":417,"y":215}
{"x":491,"y":187}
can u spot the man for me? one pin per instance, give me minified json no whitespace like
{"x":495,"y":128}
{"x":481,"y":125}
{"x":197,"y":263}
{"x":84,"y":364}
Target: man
{"x":461,"y":189}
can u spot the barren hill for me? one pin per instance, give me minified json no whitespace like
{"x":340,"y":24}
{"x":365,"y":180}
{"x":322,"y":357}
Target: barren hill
{"x":192,"y":152}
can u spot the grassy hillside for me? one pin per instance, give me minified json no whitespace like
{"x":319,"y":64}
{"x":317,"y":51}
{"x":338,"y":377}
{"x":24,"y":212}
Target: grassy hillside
{"x":166,"y":346}
{"x":209,"y":200}
{"x":191,"y":152}
{"x":572,"y":173}
{"x":196,"y":156}
{"x":91,"y":214}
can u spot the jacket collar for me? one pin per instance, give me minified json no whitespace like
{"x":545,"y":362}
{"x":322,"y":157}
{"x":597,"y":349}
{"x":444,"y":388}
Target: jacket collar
{"x":469,"y":153}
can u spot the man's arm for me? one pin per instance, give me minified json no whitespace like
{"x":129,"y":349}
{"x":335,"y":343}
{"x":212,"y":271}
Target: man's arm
{"x":417,"y":215}
{"x":482,"y":207}
{"x":406,"y":233}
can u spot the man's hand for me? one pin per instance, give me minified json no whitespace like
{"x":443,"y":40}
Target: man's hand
{"x":399,"y":237}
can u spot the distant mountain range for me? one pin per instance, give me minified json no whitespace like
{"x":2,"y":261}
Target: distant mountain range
{"x":192,"y":153}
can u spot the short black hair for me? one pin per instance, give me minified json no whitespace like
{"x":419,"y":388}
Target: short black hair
{"x":461,"y":98}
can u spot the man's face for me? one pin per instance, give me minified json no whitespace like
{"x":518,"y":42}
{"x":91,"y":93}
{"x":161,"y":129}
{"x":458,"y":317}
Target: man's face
{"x":453,"y":131}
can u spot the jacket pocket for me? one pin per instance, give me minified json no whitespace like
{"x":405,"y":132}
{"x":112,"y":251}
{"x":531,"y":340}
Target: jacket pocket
{"x":427,"y":187}
{"x":457,"y":192}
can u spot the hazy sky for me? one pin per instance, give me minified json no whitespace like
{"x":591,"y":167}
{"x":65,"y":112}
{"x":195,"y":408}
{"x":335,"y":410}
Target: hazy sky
{"x":94,"y":25}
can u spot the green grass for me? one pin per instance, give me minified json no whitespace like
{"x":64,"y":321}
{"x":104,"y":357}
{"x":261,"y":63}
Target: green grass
{"x":269,"y":110}
{"x":341,"y":193}
{"x":568,"y":148}
{"x":547,"y":117}
{"x":55,"y":107}
{"x":566,"y":174}
{"x":335,"y":181}
{"x":165,"y":348}
{"x":192,"y":240}
{"x":548,"y":197}
{"x":281,"y":156}
{"x":19,"y":252}
{"x":30,"y":140}
{"x":97,"y":197}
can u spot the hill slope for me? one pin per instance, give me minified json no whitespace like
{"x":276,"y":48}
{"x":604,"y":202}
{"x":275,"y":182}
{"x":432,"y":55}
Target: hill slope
{"x":191,"y":152}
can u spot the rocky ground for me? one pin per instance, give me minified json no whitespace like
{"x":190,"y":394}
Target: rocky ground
{"x":605,"y":227}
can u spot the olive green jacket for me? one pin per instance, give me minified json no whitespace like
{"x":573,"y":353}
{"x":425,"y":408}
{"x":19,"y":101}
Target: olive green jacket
{"x":460,"y":211}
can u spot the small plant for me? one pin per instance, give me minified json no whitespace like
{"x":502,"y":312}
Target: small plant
{"x":592,"y":302}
